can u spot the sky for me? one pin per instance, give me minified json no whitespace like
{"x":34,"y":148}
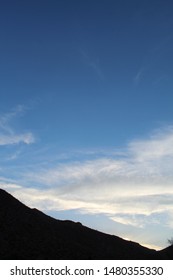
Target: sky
{"x":86,"y":118}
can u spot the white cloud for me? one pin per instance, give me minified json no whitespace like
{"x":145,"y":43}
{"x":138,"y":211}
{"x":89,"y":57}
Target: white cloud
{"x":7,"y":134}
{"x":158,"y":146}
{"x":142,"y":172}
{"x":77,"y":172}
{"x":6,"y":118}
{"x":8,"y":186}
{"x":26,"y":138}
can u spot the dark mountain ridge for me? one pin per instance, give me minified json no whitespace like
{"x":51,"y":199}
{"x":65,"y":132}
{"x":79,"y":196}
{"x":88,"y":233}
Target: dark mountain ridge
{"x":27,"y":233}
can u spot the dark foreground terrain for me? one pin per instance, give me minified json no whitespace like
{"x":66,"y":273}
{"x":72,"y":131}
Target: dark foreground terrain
{"x":29,"y":234}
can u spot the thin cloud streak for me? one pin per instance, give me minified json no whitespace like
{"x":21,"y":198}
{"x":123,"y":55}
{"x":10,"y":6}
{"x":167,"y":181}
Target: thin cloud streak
{"x":7,"y":134}
{"x":93,"y":64}
{"x":138,"y":77}
{"x":26,"y":138}
{"x":6,"y":118}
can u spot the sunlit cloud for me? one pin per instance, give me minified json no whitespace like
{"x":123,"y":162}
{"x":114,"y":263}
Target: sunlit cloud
{"x":142,"y":220}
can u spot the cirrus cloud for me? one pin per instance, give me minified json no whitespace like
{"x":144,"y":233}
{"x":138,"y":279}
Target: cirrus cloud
{"x":26,"y":138}
{"x":7,"y":134}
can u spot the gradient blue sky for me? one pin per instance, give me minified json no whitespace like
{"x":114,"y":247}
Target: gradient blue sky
{"x":86,"y":118}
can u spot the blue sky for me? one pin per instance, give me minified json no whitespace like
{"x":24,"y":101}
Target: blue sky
{"x":86,"y":120}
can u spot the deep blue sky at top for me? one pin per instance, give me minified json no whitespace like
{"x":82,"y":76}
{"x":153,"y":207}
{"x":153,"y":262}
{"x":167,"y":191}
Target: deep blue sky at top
{"x":93,"y":73}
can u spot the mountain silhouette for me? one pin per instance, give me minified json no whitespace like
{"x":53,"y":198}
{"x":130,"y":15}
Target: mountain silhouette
{"x":27,"y":233}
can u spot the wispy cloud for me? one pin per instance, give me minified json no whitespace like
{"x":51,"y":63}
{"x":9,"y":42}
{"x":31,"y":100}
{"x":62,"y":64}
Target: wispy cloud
{"x":94,"y":64}
{"x":142,"y":161}
{"x":6,"y":118}
{"x":26,"y":138}
{"x":158,"y":146}
{"x":138,"y":77}
{"x":7,"y":134}
{"x":102,"y":183}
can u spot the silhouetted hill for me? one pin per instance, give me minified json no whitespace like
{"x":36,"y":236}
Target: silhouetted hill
{"x":29,"y":234}
{"x":166,"y":254}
